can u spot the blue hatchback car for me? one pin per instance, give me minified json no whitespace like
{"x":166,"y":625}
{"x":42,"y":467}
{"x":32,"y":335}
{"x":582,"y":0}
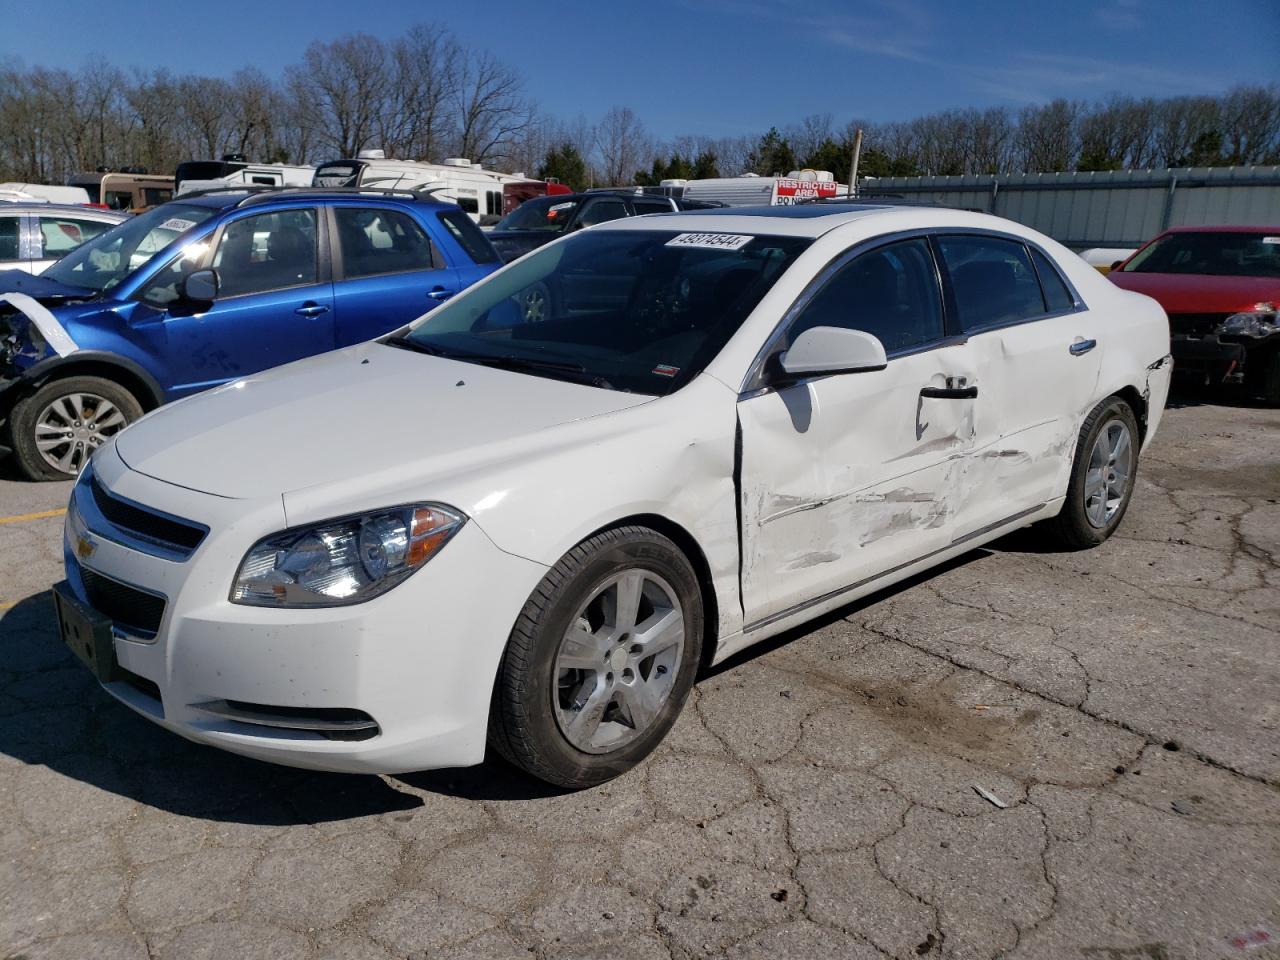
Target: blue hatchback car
{"x":205,"y":289}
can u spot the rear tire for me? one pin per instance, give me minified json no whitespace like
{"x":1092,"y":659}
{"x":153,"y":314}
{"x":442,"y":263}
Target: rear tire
{"x":600,"y":661}
{"x":55,"y":429}
{"x":1102,"y":478}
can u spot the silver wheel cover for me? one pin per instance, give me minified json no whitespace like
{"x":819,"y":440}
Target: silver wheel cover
{"x":617,"y":663}
{"x":72,"y":426}
{"x":1108,"y":473}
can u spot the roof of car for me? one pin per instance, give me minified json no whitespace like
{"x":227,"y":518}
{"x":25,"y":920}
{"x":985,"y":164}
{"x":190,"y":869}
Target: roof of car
{"x":1224,"y":229}
{"x":233,"y":197}
{"x":36,"y":206}
{"x":800,"y":220}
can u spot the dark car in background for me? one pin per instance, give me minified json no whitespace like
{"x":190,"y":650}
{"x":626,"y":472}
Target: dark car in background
{"x":539,"y":221}
{"x":1220,"y":287}
{"x":209,"y":288}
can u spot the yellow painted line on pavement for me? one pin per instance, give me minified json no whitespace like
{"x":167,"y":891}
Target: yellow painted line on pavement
{"x":41,"y":515}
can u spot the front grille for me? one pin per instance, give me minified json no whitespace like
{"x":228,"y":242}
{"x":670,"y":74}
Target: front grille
{"x":1195,"y":324}
{"x":181,"y":536}
{"x":133,"y":610}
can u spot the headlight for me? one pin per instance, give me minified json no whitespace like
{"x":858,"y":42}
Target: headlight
{"x":1259,"y":322}
{"x":343,"y":561}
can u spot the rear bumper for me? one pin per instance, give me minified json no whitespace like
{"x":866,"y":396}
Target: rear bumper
{"x":1208,"y":360}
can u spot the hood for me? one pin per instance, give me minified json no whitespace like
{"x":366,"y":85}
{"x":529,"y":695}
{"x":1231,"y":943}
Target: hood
{"x":511,"y":244}
{"x":42,"y":289}
{"x":363,"y":411}
{"x":1199,"y":293}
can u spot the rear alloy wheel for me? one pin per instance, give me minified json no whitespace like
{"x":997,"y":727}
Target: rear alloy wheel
{"x":600,"y":660}
{"x":55,"y":430}
{"x":1102,"y":477}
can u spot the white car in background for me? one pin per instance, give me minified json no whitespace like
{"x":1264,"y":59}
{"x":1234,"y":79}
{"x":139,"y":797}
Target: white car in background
{"x":533,"y":534}
{"x":35,"y":236}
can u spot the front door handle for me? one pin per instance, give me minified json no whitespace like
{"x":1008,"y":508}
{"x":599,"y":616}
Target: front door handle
{"x":1081,"y":347}
{"x":949,"y":393}
{"x":439,"y":293}
{"x":311,"y":309}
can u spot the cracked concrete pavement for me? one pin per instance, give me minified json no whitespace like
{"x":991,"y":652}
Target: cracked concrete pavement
{"x":816,"y":800}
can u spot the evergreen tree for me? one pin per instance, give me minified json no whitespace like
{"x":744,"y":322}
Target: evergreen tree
{"x":565,"y":164}
{"x":772,"y":156}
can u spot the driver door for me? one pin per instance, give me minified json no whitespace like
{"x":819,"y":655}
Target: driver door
{"x":845,"y":477}
{"x":275,"y":303}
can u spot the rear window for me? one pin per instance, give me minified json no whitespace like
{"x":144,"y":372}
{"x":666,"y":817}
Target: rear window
{"x":1057,"y":297}
{"x":469,"y":237}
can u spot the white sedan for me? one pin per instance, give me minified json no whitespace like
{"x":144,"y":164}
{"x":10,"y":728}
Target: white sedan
{"x":531,"y":528}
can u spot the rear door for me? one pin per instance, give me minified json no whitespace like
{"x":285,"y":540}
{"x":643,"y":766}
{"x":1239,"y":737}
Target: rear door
{"x":275,"y":302}
{"x":1037,"y":352}
{"x":387,"y":271}
{"x":846,"y":477}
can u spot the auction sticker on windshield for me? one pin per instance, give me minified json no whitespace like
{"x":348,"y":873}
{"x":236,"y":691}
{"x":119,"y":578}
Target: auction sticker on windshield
{"x":177,"y":223}
{"x":715,"y":241}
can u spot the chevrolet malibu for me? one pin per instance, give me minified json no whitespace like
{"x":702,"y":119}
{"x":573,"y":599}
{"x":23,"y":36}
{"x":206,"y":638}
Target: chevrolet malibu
{"x":486,"y":528}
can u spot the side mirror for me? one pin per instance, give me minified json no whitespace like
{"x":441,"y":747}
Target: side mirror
{"x":1114,"y":264}
{"x":825,"y":350}
{"x":201,"y":286}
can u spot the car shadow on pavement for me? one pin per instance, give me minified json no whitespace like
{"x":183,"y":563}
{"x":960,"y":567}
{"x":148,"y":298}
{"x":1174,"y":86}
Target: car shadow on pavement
{"x":53,"y":714}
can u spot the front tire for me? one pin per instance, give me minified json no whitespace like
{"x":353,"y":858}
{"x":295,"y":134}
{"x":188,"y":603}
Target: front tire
{"x":1102,"y":477}
{"x":55,"y":429}
{"x":601,"y":659}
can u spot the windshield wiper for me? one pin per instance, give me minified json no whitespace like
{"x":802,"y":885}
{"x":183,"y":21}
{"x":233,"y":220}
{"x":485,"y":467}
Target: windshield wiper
{"x":407,"y":343}
{"x":564,"y":369}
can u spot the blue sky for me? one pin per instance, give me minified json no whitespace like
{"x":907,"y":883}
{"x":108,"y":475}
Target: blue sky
{"x":719,"y":67}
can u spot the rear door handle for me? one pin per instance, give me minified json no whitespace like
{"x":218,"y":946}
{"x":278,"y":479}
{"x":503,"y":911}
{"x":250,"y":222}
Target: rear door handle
{"x":311,"y":309}
{"x":949,"y":393}
{"x":439,"y":293}
{"x":1081,"y":347}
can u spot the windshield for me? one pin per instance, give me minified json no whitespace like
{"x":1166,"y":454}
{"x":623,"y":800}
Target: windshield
{"x":1218,"y":254}
{"x":638,"y":311}
{"x":108,"y":258}
{"x":545,"y":214}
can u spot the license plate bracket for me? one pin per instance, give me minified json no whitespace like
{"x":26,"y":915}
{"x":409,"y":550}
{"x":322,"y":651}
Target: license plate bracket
{"x":86,"y":632}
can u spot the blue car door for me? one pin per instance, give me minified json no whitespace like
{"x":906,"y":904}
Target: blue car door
{"x":275,"y":304}
{"x":387,"y":272}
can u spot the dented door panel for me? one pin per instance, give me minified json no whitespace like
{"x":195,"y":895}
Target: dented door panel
{"x":848,"y":475}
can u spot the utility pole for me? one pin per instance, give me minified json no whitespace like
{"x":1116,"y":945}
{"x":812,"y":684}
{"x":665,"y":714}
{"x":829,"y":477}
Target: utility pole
{"x":853,"y":165}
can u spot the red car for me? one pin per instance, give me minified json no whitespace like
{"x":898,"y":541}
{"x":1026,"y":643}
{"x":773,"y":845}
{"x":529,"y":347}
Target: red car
{"x":1220,"y":287}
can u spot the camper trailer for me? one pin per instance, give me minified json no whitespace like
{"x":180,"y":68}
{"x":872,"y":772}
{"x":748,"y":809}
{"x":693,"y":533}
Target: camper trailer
{"x":233,"y":170}
{"x":130,"y":191}
{"x":470,"y":186}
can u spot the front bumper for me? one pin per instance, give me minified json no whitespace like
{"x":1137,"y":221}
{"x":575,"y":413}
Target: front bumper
{"x":419,"y":660}
{"x":1208,"y":360}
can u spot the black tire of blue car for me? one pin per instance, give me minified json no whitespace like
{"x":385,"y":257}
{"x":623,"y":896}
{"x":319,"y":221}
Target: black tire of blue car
{"x":1072,"y":529}
{"x":60,"y":420}
{"x":523,"y":723}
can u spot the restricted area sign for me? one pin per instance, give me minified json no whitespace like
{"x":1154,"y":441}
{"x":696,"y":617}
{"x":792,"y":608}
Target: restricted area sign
{"x":788,"y":190}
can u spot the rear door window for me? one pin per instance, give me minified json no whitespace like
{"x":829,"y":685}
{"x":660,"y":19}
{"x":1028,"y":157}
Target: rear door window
{"x":650,"y":206}
{"x":1057,"y":296}
{"x":992,"y":279}
{"x":377,"y":241}
{"x":60,"y":235}
{"x":468,"y":236}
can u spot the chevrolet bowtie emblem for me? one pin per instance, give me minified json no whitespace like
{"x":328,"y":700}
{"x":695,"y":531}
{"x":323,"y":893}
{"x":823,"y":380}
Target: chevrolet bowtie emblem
{"x":85,"y":547}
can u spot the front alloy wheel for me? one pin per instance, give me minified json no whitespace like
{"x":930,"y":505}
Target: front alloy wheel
{"x":600,"y":660}
{"x":618,"y":661}
{"x":55,"y":430}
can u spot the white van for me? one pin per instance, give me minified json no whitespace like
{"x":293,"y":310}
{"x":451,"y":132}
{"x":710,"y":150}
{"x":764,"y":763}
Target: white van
{"x":47,"y":192}
{"x":233,"y":170}
{"x":470,"y":186}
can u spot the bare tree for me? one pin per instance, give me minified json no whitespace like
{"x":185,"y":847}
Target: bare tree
{"x":622,"y":142}
{"x":344,"y":87}
{"x":1046,"y":137}
{"x":490,"y":108}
